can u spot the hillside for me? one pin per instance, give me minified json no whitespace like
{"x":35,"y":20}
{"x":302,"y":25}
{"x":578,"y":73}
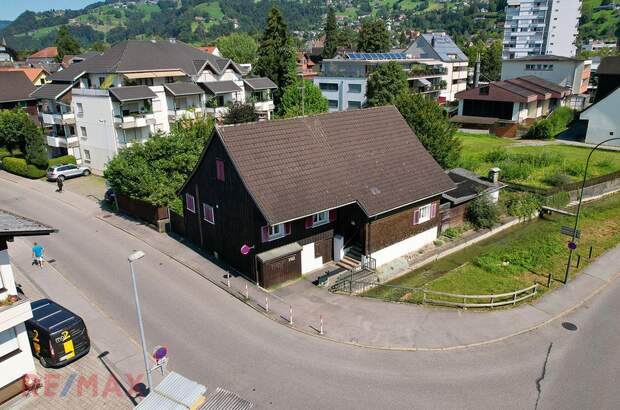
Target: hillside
{"x":4,"y":23}
{"x":598,"y":24}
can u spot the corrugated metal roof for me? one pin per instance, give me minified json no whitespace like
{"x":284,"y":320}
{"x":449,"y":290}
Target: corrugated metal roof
{"x":225,"y":400}
{"x":175,"y":392}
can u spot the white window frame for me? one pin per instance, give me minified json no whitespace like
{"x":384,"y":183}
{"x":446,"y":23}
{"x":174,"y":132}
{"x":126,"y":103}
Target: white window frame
{"x":193,"y":208}
{"x":79,"y":108}
{"x":8,"y":341}
{"x":83,"y":132}
{"x":424,"y":213}
{"x":205,"y":207}
{"x":276,"y":231}
{"x":320,"y":219}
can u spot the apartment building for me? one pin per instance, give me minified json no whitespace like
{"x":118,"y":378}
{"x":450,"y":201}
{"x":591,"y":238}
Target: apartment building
{"x":536,"y":27}
{"x":137,"y":88}
{"x":434,"y":66}
{"x":15,"y":355}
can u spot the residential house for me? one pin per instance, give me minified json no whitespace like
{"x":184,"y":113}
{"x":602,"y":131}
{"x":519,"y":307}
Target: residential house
{"x":282,"y":198}
{"x":608,"y":77}
{"x":469,"y":186}
{"x":306,"y":68}
{"x":598,"y":45}
{"x":603,"y":119}
{"x":7,"y":54}
{"x":45,"y":58}
{"x":15,"y":89}
{"x":211,"y":49}
{"x":137,"y":88}
{"x":541,"y":27}
{"x":509,"y":103}
{"x":15,"y":355}
{"x":38,"y":76}
{"x":433,"y":64}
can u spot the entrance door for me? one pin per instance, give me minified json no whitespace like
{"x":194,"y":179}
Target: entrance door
{"x":280,"y":270}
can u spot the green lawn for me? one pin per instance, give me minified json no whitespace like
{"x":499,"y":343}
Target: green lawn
{"x":212,"y":9}
{"x":534,"y":166}
{"x":516,"y":258}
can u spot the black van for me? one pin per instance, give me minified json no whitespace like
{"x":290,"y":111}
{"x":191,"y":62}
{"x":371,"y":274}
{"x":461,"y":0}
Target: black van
{"x":57,"y":335}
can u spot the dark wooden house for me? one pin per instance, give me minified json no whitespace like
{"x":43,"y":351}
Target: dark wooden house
{"x":298,"y":193}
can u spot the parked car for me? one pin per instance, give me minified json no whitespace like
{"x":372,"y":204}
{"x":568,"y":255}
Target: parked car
{"x":57,"y":335}
{"x":63,"y":172}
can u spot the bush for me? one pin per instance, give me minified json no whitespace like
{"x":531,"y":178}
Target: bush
{"x":541,"y":130}
{"x":559,"y":119}
{"x":558,"y":179}
{"x":496,"y":155}
{"x":523,"y":205}
{"x":18,"y":166}
{"x":482,"y":212}
{"x":64,"y":160}
{"x":513,"y":170}
{"x":576,"y":169}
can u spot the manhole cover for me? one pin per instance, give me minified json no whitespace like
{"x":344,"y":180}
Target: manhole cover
{"x":569,"y":326}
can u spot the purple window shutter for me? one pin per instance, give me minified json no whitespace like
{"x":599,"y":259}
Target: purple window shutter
{"x":433,"y":210}
{"x":265,"y":233}
{"x":416,"y":216}
{"x":287,"y":228}
{"x":308,"y":222}
{"x":332,"y":215}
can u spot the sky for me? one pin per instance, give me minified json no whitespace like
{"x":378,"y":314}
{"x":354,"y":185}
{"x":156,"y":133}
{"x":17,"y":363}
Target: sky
{"x":10,"y":9}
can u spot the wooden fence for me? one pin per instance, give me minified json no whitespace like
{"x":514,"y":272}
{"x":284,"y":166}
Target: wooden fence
{"x":177,"y":223}
{"x":141,"y":209}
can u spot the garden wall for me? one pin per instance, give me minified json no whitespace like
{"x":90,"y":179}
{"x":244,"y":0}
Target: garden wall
{"x":142,"y":209}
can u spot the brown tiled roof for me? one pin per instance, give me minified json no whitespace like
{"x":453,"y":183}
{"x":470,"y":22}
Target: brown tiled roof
{"x":31,"y":73}
{"x":521,"y":89}
{"x":301,"y":166}
{"x":609,"y":65}
{"x":15,"y":86}
{"x":47,"y":52}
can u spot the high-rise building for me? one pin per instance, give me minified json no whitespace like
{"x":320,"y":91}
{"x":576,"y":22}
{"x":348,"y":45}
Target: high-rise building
{"x":535,"y":27}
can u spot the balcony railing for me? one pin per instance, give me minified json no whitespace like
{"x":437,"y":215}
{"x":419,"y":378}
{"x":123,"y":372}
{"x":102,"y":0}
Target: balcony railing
{"x":14,"y":310}
{"x":58,"y":118}
{"x":190,"y":113}
{"x":134,"y":120}
{"x":59,"y":141}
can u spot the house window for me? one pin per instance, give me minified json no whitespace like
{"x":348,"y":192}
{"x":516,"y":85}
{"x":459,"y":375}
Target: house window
{"x":355,"y":105}
{"x":355,"y":88}
{"x":8,"y":342}
{"x":276,"y":231}
{"x":189,"y":203}
{"x":320,"y":218}
{"x":425,"y":213}
{"x":80,"y":108}
{"x":207,"y":211}
{"x":328,"y":86}
{"x":87,"y":156}
{"x":219,"y":168}
{"x":83,"y":132}
{"x":332,"y":103}
{"x":273,"y":232}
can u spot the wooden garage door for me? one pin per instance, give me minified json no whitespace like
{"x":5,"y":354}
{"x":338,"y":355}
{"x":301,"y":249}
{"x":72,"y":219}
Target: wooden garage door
{"x":280,"y":270}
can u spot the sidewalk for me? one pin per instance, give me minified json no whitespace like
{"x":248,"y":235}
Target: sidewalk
{"x":84,"y":384}
{"x":374,"y":323}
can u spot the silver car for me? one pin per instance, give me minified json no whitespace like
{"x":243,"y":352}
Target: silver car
{"x":63,"y":172}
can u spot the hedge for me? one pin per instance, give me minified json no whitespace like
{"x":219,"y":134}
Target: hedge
{"x":64,"y":160}
{"x":18,"y":166}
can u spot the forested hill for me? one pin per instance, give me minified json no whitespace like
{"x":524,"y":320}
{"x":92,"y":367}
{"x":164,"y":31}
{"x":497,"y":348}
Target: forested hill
{"x":200,"y":21}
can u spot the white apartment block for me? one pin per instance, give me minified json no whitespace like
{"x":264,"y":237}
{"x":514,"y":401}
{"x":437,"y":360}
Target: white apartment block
{"x":535,"y":27}
{"x":135,"y":89}
{"x":15,"y":354}
{"x":433,"y":64}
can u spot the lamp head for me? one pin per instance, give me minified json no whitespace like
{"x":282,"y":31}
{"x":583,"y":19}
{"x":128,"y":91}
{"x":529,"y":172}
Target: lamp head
{"x":135,"y":256}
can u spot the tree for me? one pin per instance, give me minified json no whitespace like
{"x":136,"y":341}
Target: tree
{"x":373,"y":37}
{"x":11,"y":129}
{"x":313,"y":100}
{"x":429,"y":122}
{"x":35,"y":146}
{"x":331,"y":35}
{"x":491,"y":61}
{"x":239,"y":47}
{"x":66,"y":43}
{"x":99,"y":46}
{"x":239,"y":113}
{"x":482,"y":212}
{"x":17,"y":130}
{"x":276,"y":56}
{"x":385,"y":84}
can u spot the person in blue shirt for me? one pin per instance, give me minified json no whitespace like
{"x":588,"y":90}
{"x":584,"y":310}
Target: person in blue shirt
{"x":37,"y":254}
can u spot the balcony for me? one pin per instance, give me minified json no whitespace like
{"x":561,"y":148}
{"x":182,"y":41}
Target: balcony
{"x":188,"y":113}
{"x":264,"y":106}
{"x":13,"y":313}
{"x":421,"y":71}
{"x":58,"y":118}
{"x":217,"y":111}
{"x":62,"y":141}
{"x":134,"y":120}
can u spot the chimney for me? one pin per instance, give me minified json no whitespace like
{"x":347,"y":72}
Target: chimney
{"x":477,"y":71}
{"x":494,"y":175}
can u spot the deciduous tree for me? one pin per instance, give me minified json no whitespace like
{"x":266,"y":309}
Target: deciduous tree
{"x":385,"y":84}
{"x":66,"y":43}
{"x":373,"y":37}
{"x":313,"y":100}
{"x":331,"y":35}
{"x":239,"y":113}
{"x":239,"y":47}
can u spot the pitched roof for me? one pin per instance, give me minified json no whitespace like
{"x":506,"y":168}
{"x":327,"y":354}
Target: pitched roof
{"x":185,"y":88}
{"x":47,"y":52}
{"x":31,"y":72}
{"x":544,"y":57}
{"x":262,"y":83}
{"x":51,"y":91}
{"x":609,"y":65}
{"x":221,"y":87}
{"x":301,"y":166}
{"x":468,"y":185}
{"x":132,"y":93}
{"x":520,"y":89}
{"x":137,"y":55}
{"x":15,"y":225}
{"x":15,"y":86}
{"x":439,"y":46}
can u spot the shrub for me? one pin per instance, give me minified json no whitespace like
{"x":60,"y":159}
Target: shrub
{"x":18,"y":166}
{"x":496,"y":155}
{"x":523,"y":205}
{"x":558,"y":179}
{"x":451,"y":233}
{"x":65,"y":159}
{"x":482,"y":212}
{"x":438,"y":242}
{"x":513,"y":170}
{"x":541,"y":130}
{"x":575,"y":169}
{"x":559,"y":119}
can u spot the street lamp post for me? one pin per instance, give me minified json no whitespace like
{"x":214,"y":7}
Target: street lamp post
{"x":583,"y":184}
{"x":132,"y":258}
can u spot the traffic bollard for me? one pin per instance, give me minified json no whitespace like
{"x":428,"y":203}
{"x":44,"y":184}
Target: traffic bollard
{"x":578,"y":260}
{"x":266,"y":303}
{"x":247,"y":294}
{"x":590,"y":254}
{"x":228,"y":280}
{"x":290,"y":313}
{"x":321,"y":327}
{"x":549,"y":281}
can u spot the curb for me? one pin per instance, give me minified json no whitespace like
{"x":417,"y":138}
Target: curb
{"x":260,"y":310}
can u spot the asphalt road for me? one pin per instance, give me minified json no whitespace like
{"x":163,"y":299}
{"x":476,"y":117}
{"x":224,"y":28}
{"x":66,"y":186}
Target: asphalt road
{"x":221,"y":342}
